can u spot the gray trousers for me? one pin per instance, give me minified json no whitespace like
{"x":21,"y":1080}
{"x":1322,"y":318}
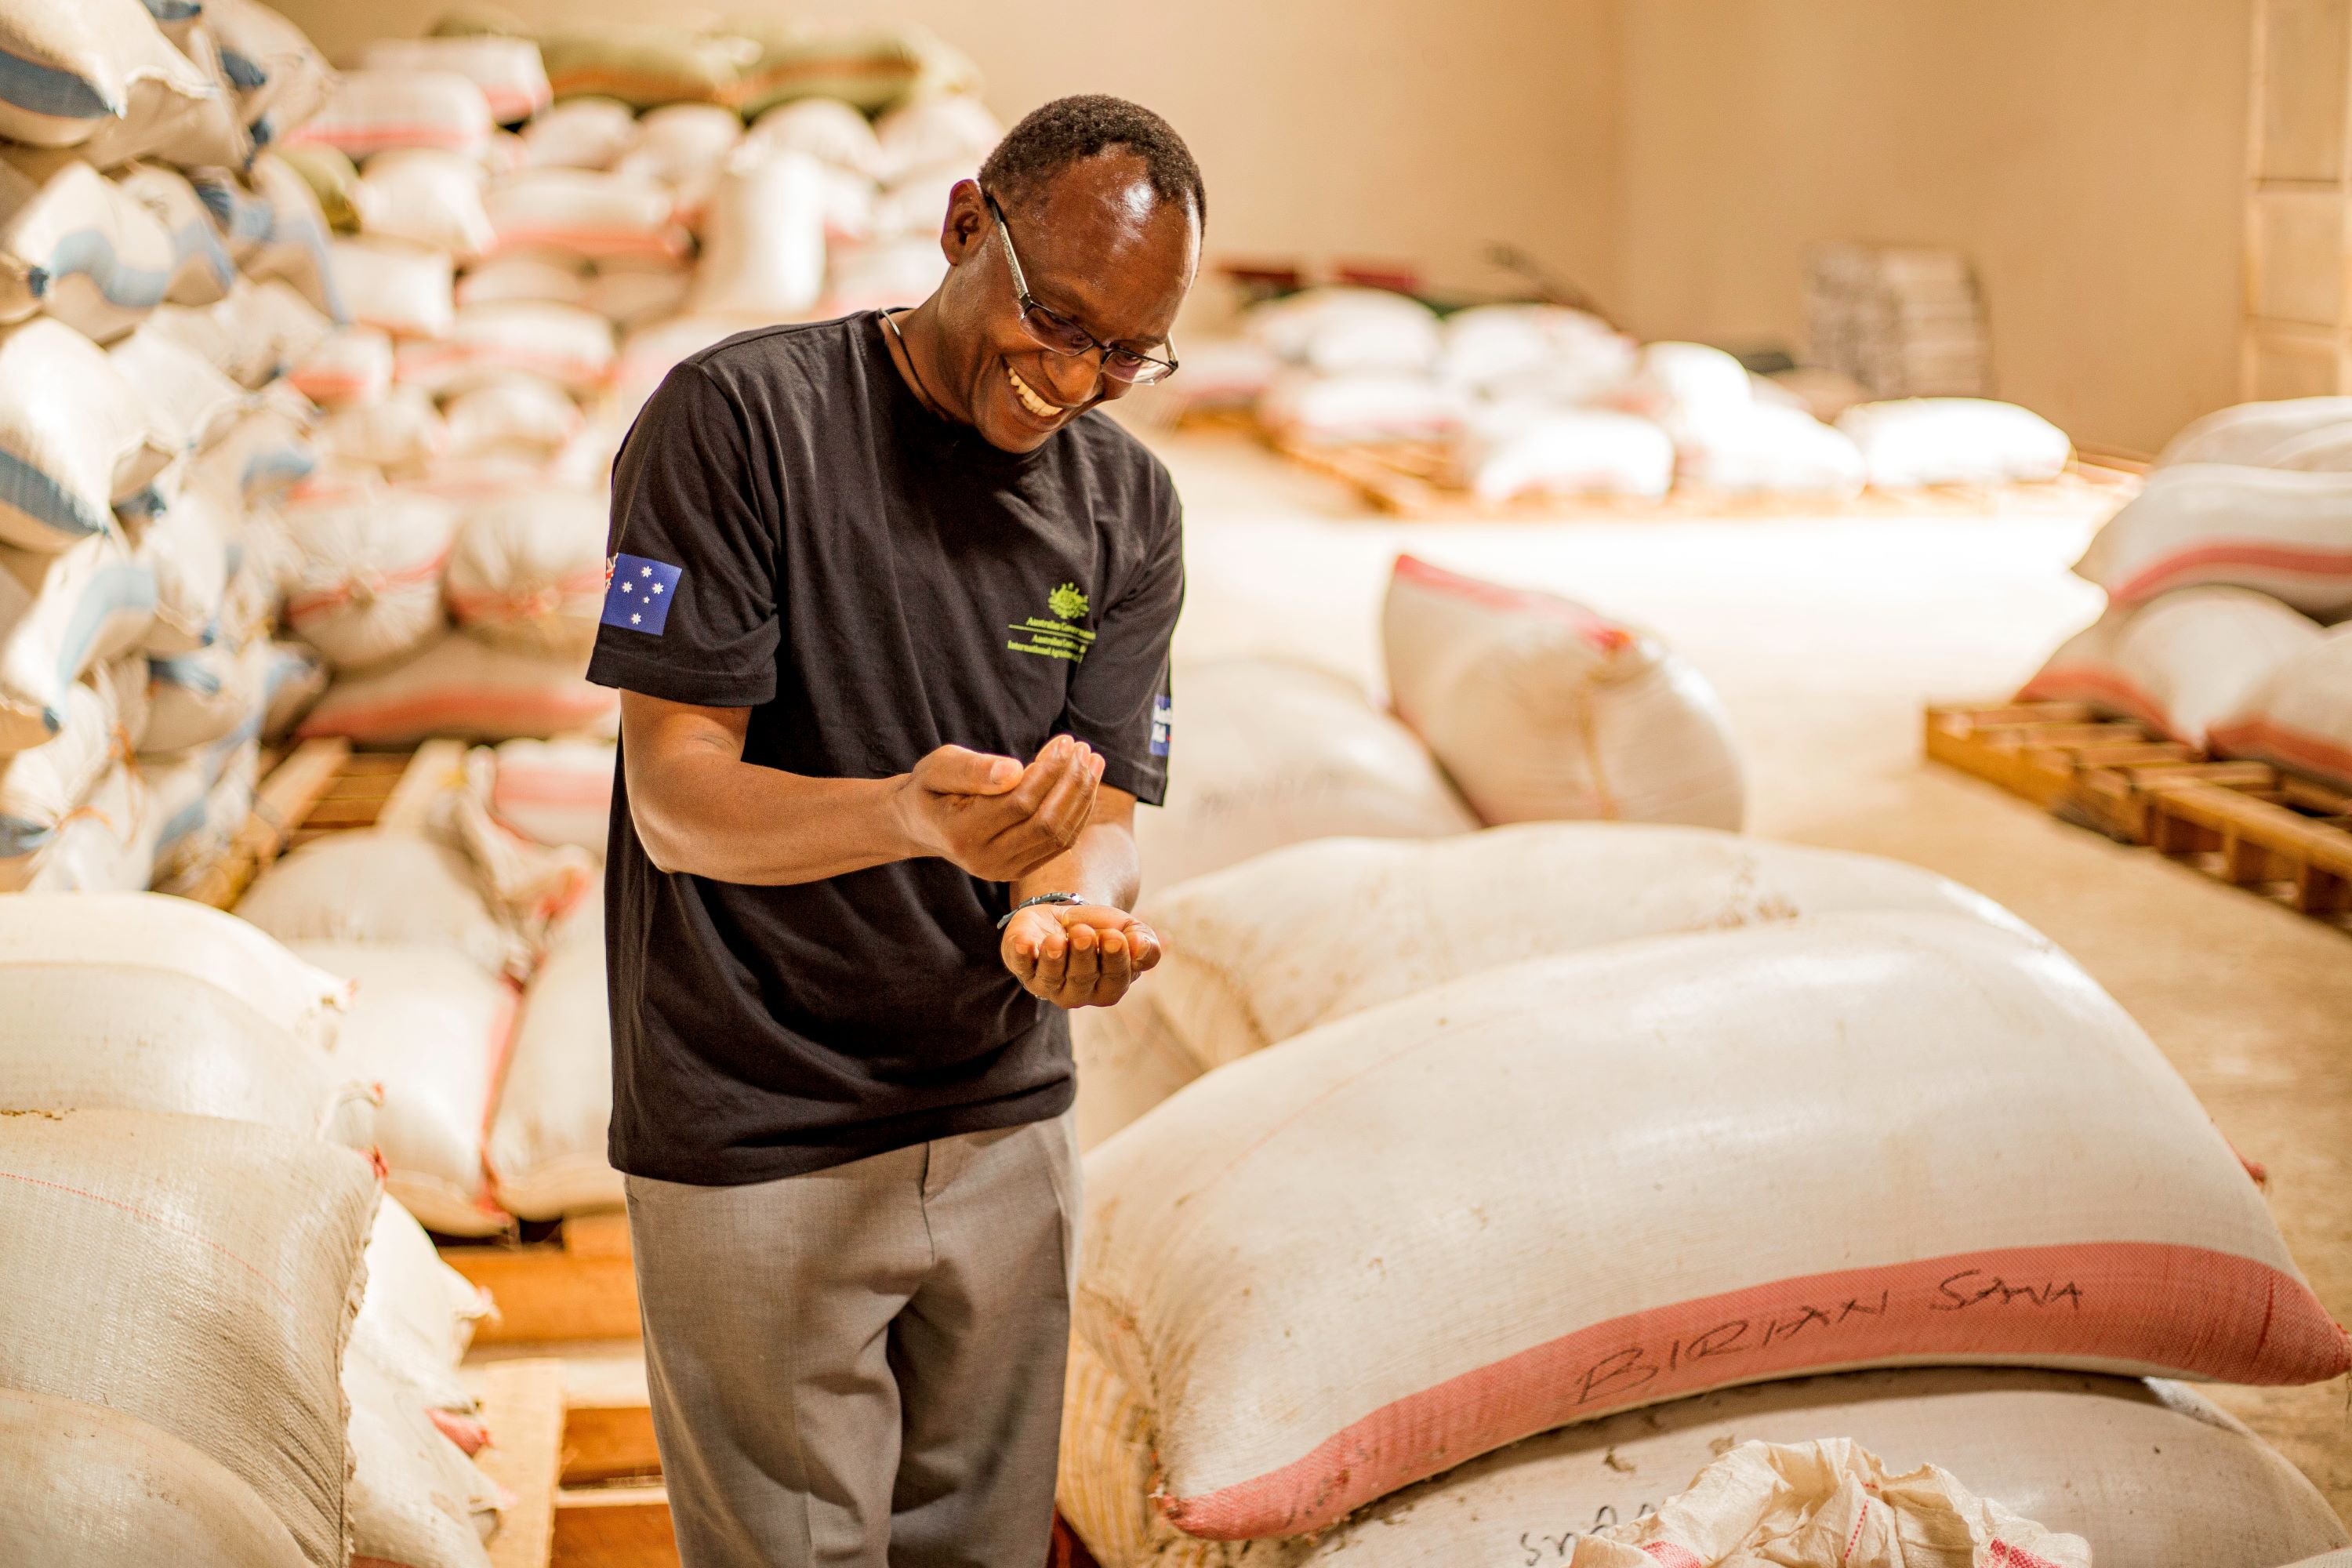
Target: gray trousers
{"x":864,"y":1365}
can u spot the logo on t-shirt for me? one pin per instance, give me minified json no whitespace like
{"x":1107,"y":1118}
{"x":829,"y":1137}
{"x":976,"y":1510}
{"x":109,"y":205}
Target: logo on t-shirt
{"x":1057,"y":634}
{"x":637,"y":593}
{"x":1163,"y":722}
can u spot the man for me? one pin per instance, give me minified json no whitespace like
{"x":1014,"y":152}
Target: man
{"x":889,"y":614}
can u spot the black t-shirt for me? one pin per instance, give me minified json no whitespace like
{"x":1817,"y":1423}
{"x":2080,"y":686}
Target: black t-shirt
{"x":794,"y":533}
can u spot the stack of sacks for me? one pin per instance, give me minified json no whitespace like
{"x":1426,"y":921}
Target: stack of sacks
{"x":555,"y":791}
{"x":2220,"y":575}
{"x":184,"y":1064}
{"x":1953,"y":441}
{"x":1357,"y":914}
{"x":1539,"y":708}
{"x":546,"y":1149}
{"x":1725,"y":438}
{"x":1277,"y":752}
{"x":1360,"y":365}
{"x":2041,"y":1190}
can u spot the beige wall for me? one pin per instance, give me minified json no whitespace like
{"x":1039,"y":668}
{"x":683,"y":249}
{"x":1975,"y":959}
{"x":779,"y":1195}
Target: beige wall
{"x":1375,"y":129}
{"x":2089,"y":154}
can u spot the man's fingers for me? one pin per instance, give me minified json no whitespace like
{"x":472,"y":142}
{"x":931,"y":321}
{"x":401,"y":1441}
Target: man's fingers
{"x":1144,"y":944}
{"x":1053,"y":825}
{"x":955,"y":770}
{"x":1116,"y":964}
{"x":1084,"y":966}
{"x":1061,"y":758}
{"x":1053,"y":960}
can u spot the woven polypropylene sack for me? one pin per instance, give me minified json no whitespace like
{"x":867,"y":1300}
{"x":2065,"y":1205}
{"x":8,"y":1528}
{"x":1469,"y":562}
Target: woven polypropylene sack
{"x":2247,"y":432}
{"x":222,"y":1261}
{"x":590,"y":213}
{"x":547,"y":1144}
{"x":85,"y":1486}
{"x":160,"y":119}
{"x":60,"y":615}
{"x":371,"y":587}
{"x":2300,"y":718}
{"x":2148,"y":1472}
{"x":185,"y":543}
{"x":2286,"y":534}
{"x":82,"y":248}
{"x":42,"y":787}
{"x":378,"y":110}
{"x":198,"y":698}
{"x":127,"y":1037}
{"x":682,"y":144}
{"x":565,"y":344}
{"x":513,"y":414}
{"x":1300,"y":937}
{"x":2022,"y":1178}
{"x":556,"y":792}
{"x":2178,"y":663}
{"x":1544,"y":451}
{"x":1354,"y":407}
{"x":1770,"y":448}
{"x":75,"y":437}
{"x":1954,"y":441}
{"x":291,"y":241}
{"x":419,"y":196}
{"x":418,"y":1314}
{"x":509,"y":70}
{"x":467,"y":688}
{"x":72,"y":69}
{"x":763,"y":237}
{"x":382,"y":887}
{"x":400,"y":289}
{"x":401,"y":432}
{"x":433,"y":1029}
{"x":1539,"y":708}
{"x":870,"y":65}
{"x":1341,"y":331}
{"x":411,"y":1485}
{"x":187,"y":938}
{"x":633,"y":294}
{"x":529,"y":572}
{"x":1275,"y":753}
{"x":190,"y":402}
{"x":1540,"y":352}
{"x":581,"y":134}
{"x":295,"y":76}
{"x":107,"y":845}
{"x":201,"y":270}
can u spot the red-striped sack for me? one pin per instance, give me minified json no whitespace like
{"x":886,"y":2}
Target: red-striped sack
{"x":1541,"y":708}
{"x":2286,"y":534}
{"x":377,"y":110}
{"x":2300,"y":718}
{"x":509,"y":70}
{"x":431,"y":1029}
{"x":352,"y":365}
{"x":2176,"y":663}
{"x":565,"y":344}
{"x":371,"y":585}
{"x":528,"y":571}
{"x":396,"y":287}
{"x":585,"y":213}
{"x":2250,"y":433}
{"x":464,"y":687}
{"x":556,"y":792}
{"x":1587,"y":1183}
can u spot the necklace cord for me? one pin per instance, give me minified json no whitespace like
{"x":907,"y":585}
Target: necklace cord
{"x":913,"y":371}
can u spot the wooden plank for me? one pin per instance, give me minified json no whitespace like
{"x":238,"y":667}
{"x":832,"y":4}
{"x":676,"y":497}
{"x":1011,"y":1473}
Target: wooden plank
{"x":523,"y":1406}
{"x":609,"y":1442}
{"x":613,"y":1527}
{"x":437,"y":765}
{"x":555,"y":1291}
{"x":2273,"y":827}
{"x":281,"y":802}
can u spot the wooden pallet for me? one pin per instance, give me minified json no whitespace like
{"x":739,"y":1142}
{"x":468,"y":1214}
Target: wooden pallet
{"x":1421,"y":481}
{"x":580,"y":1286}
{"x":2244,"y":821}
{"x":523,"y":1406}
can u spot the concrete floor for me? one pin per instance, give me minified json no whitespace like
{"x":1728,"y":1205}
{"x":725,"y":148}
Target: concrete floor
{"x":1824,"y":637}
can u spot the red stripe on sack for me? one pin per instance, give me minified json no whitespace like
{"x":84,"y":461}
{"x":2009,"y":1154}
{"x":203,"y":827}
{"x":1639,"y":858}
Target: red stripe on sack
{"x":554,"y":787}
{"x":2001,"y":1554}
{"x":456,"y":708}
{"x":602,"y":242}
{"x":2297,"y":749}
{"x":165,"y":1222}
{"x":2155,"y":1307}
{"x":1597,"y":629}
{"x":2082,"y":682}
{"x":2172,"y":570}
{"x":463,"y":1430}
{"x":502,"y":1032}
{"x":305,"y":605}
{"x":381,"y":136}
{"x":1670,"y":1555}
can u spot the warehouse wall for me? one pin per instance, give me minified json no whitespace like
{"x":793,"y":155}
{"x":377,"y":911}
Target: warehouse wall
{"x":1372,"y":129}
{"x":2089,"y":154}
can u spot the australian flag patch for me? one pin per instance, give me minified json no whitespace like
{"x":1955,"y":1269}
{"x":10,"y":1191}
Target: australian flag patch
{"x":1163,"y":721}
{"x":637,"y":594}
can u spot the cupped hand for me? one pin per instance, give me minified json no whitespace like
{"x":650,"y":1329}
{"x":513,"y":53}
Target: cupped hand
{"x":1077,"y":955}
{"x":995,"y":818}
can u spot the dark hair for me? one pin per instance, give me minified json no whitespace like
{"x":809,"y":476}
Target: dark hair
{"x":1055,"y":135}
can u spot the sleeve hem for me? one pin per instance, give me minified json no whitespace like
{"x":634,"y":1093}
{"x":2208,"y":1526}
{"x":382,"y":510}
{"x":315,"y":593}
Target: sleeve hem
{"x":1147,"y":784}
{"x":627,"y":671}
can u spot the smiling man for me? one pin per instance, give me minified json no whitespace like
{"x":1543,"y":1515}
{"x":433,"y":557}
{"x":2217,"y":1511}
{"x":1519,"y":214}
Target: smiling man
{"x":890,"y":611}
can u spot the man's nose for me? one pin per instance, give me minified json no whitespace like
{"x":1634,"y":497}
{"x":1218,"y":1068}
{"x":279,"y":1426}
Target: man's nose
{"x":1072,"y":379}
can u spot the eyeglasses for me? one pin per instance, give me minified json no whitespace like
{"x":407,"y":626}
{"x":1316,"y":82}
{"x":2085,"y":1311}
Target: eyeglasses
{"x":1052,"y":329}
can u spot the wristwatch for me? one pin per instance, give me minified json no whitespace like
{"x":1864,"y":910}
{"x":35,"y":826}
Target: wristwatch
{"x":1040,"y":899}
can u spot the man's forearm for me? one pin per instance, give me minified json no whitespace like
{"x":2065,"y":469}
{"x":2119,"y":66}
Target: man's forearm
{"x":733,"y":821}
{"x":1101,"y":867}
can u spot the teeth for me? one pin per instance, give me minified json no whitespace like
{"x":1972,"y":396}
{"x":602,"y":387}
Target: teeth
{"x":1029,"y":400}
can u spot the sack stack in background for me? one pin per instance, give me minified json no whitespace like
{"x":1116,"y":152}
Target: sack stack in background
{"x":1904,"y":321}
{"x":2227,"y":579}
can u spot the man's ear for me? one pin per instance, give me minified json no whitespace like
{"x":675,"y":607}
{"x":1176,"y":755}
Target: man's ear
{"x":965,"y":228}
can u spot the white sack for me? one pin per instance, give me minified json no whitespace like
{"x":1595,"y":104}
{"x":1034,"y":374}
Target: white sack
{"x":1303,"y":936}
{"x":2042,"y":1188}
{"x":1273,"y":753}
{"x":886,"y":274}
{"x":195,"y":699}
{"x":2288,"y":534}
{"x":629,"y":294}
{"x":1767,"y":448}
{"x":186,"y":544}
{"x":585,"y":213}
{"x":1360,"y":406}
{"x":528,"y":571}
{"x":681,"y":144}
{"x":556,"y":792}
{"x":2247,"y":433}
{"x":565,"y":344}
{"x":509,"y":70}
{"x":430,"y":1025}
{"x":402,"y":431}
{"x":197,"y":805}
{"x":296,"y":678}
{"x":371,"y":587}
{"x":377,"y":110}
{"x":2147,"y":1472}
{"x":763,"y":238}
{"x":513,"y":413}
{"x":950,"y":130}
{"x":81,"y":247}
{"x":76,"y":436}
{"x":199,"y":129}
{"x":463,"y":687}
{"x":551,"y":279}
{"x":87,"y":1487}
{"x":1535,"y":351}
{"x":1566,"y":451}
{"x":420,"y":196}
{"x":1540,"y":707}
{"x":1685,"y":385}
{"x":189,"y":402}
{"x":41,"y":787}
{"x":1954,"y":441}
{"x":377,"y":887}
{"x":80,"y":66}
{"x":295,"y":76}
{"x":915,"y":203}
{"x":105,"y":847}
{"x":410,"y":1485}
{"x":60,"y":615}
{"x":546,"y":1145}
{"x":401,"y":290}
{"x":580,"y":134}
{"x":2300,"y":717}
{"x":351,"y":365}
{"x":290,"y":242}
{"x":418,"y":1314}
{"x":220,"y":1258}
{"x":2178,"y":663}
{"x":825,"y":129}
{"x":1349,"y":330}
